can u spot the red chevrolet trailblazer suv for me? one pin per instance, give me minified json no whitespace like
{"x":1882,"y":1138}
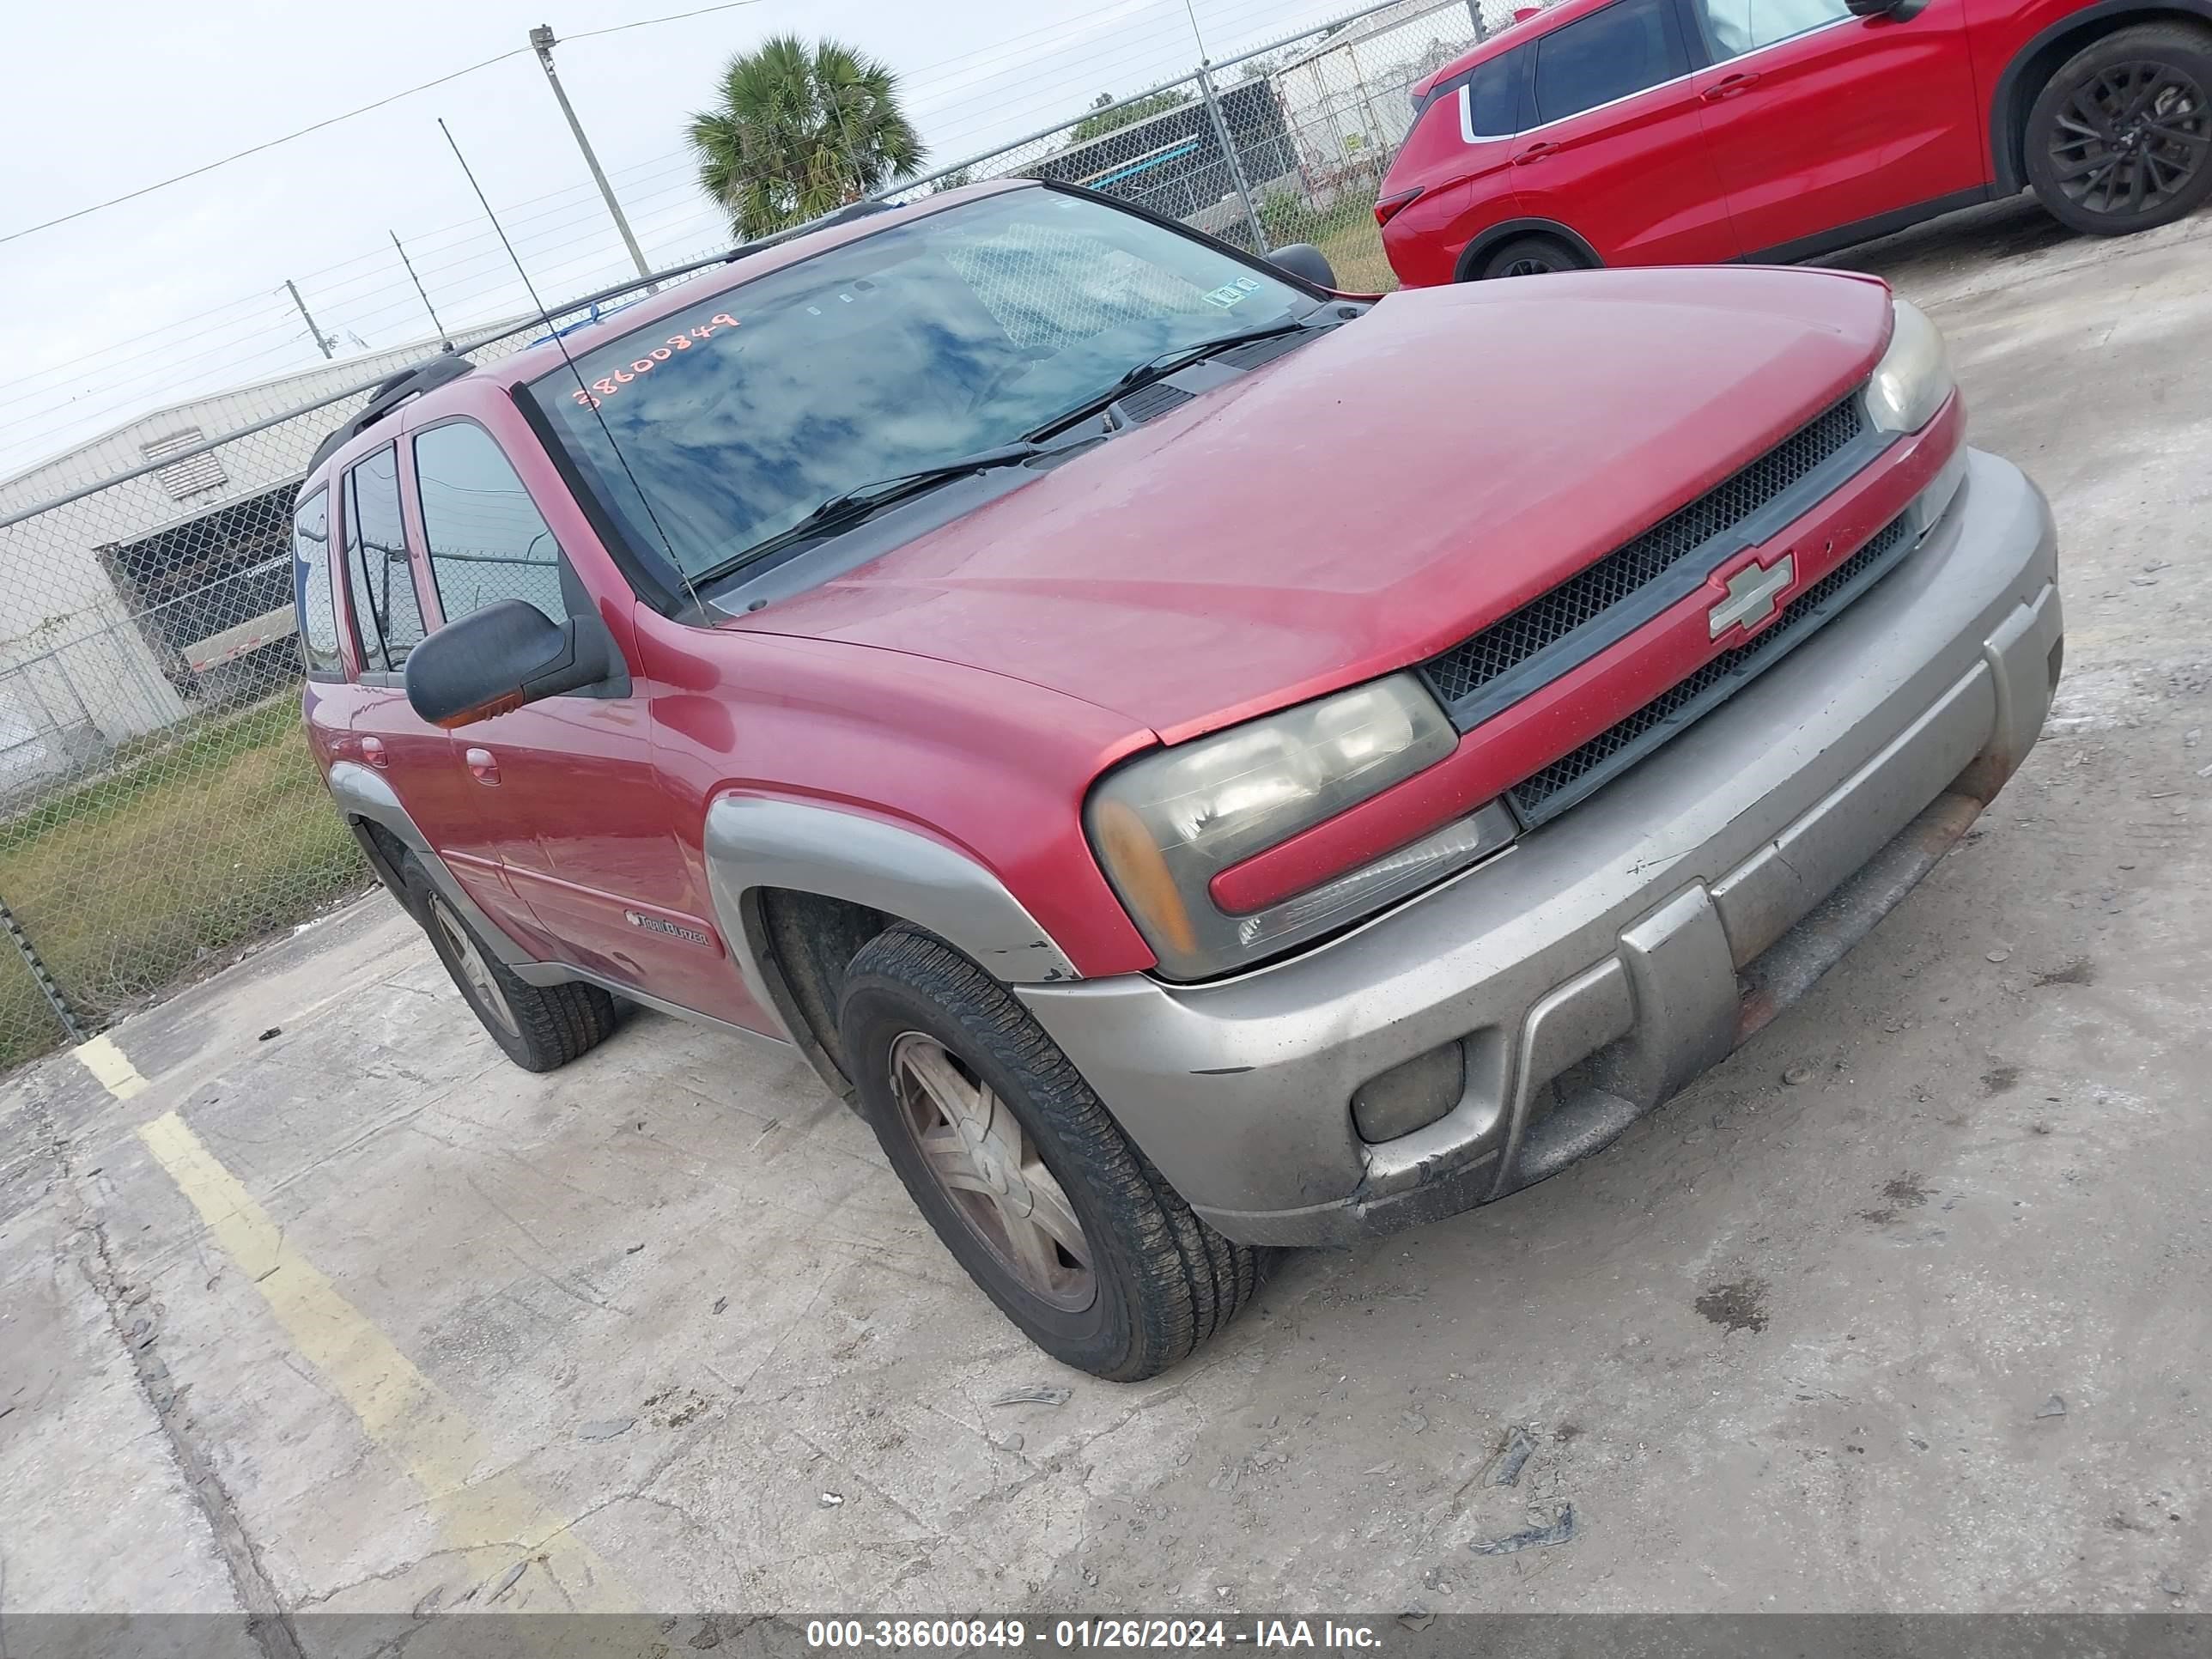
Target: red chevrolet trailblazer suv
{"x":1645,"y":132}
{"x":1102,"y":700}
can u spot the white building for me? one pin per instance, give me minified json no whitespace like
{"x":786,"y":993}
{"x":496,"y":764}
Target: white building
{"x":126,"y":608}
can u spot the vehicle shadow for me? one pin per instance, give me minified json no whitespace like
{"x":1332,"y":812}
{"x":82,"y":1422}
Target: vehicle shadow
{"x":2007,"y":229}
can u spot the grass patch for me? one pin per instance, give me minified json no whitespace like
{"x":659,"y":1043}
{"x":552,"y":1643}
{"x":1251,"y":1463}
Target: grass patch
{"x":125,"y":882}
{"x":1355,"y":253}
{"x":1345,"y":231}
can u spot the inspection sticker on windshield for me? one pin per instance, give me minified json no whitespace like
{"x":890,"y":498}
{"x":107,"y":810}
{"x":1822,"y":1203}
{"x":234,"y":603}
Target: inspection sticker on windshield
{"x":1227,"y":295}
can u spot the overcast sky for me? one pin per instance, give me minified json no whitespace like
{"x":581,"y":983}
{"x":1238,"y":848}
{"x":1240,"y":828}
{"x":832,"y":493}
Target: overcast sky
{"x":180,"y":292}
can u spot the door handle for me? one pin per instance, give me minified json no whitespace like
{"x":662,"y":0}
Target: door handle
{"x":1534,"y":153}
{"x":372,"y":750}
{"x":481,"y":767}
{"x":1728,"y":86}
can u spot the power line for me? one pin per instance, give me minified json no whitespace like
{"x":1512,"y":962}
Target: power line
{"x":329,"y":121}
{"x":1037,"y":98}
{"x":332,"y":120}
{"x":646,"y":22}
{"x":368,"y":291}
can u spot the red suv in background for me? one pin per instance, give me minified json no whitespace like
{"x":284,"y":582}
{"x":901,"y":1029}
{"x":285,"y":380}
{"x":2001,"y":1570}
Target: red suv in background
{"x":1645,"y":132}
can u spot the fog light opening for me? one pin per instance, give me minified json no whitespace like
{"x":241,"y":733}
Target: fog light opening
{"x":1411,"y":1095}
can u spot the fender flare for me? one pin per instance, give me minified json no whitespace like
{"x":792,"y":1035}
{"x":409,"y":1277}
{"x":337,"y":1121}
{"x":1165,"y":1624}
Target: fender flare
{"x":1475,"y":251}
{"x":363,"y":797}
{"x":2009,"y":104}
{"x":753,"y":841}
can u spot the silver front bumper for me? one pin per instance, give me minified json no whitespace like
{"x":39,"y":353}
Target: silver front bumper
{"x":1613,"y":955}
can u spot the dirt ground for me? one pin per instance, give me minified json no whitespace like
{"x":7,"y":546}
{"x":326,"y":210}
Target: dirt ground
{"x":309,"y":1299}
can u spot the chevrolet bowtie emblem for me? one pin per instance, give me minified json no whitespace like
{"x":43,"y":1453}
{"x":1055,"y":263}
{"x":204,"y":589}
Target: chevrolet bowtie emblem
{"x":1752,"y":592}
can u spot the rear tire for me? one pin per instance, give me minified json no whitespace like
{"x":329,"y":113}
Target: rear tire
{"x":540,"y":1028}
{"x":2120,"y":138}
{"x":1024,"y":1174}
{"x":1531,"y":256}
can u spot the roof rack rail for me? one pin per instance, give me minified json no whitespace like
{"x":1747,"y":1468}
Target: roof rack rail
{"x":392,"y":391}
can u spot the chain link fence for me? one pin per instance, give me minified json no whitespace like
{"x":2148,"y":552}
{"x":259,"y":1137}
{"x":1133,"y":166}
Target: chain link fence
{"x":158,"y":807}
{"x":1287,"y":143}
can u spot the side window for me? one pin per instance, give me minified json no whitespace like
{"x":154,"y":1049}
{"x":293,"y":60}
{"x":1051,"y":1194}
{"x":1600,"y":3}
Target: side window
{"x":1742,"y":25}
{"x":386,"y":613}
{"x":311,"y":587}
{"x":487,"y":540}
{"x":1489,"y":98}
{"x":1627,"y":47}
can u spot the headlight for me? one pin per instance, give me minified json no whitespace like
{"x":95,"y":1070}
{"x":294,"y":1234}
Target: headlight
{"x":1914,"y":375}
{"x":1166,"y":823}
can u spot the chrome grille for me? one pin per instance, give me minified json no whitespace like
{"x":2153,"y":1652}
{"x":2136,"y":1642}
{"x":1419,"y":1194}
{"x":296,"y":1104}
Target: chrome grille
{"x":1591,"y":594}
{"x":1573,"y":776}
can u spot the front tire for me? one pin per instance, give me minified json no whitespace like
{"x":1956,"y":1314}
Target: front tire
{"x":540,"y":1028}
{"x":2120,"y":138}
{"x":1022,"y":1173}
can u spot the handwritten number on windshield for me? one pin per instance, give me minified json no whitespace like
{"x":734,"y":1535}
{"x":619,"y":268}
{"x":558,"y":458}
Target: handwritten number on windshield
{"x":614,"y":382}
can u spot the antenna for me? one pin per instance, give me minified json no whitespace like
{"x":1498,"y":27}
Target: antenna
{"x":444,"y":339}
{"x":561,"y":345}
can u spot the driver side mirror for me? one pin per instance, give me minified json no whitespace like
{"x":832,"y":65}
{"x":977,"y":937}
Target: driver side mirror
{"x":506,"y":655}
{"x":1306,"y":262}
{"x":1880,"y":8}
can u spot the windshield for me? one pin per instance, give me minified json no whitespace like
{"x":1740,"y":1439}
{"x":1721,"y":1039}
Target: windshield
{"x":961,"y":331}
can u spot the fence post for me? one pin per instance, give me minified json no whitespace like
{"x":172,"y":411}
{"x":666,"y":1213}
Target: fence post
{"x":52,"y":991}
{"x":1475,"y":16}
{"x":1236,"y":167}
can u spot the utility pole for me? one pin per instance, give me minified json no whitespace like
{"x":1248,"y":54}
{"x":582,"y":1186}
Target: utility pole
{"x":541,"y":42}
{"x":322,"y":343}
{"x":1229,"y":154}
{"x":444,"y":339}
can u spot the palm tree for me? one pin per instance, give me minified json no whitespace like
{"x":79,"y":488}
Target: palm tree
{"x":799,"y":131}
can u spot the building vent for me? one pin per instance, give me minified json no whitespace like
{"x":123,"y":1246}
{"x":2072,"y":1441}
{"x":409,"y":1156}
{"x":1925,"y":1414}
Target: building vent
{"x":189,"y":477}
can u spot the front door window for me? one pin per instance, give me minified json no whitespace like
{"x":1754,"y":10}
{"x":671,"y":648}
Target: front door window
{"x":1737,"y":26}
{"x":1610,"y":55}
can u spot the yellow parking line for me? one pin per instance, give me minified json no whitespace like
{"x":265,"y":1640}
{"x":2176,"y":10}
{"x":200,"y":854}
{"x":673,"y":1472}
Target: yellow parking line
{"x":399,"y":1408}
{"x":108,"y":1063}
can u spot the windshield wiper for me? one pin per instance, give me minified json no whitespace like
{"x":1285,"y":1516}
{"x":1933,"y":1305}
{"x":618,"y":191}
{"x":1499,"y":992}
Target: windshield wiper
{"x":862,"y":499}
{"x":1173,"y":361}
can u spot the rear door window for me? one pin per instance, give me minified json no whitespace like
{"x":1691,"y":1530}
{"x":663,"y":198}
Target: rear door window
{"x":311,"y":587}
{"x":386,"y":614}
{"x":1629,"y":47}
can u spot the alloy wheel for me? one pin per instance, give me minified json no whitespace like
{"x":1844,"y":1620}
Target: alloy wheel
{"x":978,"y":1151}
{"x":2130,"y":138}
{"x":473,"y":966}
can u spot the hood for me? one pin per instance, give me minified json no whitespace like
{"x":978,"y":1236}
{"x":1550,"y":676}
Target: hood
{"x":1368,"y":500}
